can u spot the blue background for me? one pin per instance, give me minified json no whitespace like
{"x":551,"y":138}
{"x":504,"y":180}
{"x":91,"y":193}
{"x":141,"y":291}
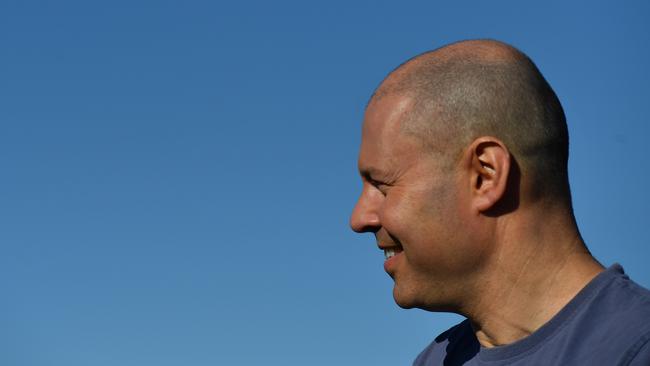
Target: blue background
{"x":177,"y":177}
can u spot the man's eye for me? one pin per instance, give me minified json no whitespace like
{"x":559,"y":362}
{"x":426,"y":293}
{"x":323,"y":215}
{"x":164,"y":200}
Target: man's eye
{"x":381,"y":187}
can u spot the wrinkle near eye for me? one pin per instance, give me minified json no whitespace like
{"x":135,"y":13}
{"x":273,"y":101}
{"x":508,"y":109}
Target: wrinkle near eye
{"x":378,"y":186}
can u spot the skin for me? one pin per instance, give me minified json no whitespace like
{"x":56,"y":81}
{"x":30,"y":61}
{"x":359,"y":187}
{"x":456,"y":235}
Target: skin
{"x":508,"y":271}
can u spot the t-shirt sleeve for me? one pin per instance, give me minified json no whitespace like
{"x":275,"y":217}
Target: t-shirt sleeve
{"x":642,"y":356}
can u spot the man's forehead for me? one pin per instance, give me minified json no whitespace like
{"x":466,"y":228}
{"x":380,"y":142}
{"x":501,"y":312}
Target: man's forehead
{"x":382,"y":124}
{"x":385,"y":114}
{"x":383,"y":145}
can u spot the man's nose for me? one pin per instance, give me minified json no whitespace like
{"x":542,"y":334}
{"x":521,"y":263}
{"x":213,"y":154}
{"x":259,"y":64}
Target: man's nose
{"x":364,"y":216}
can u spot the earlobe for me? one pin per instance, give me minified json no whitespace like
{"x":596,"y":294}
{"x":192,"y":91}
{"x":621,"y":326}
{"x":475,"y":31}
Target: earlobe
{"x":490,"y":167}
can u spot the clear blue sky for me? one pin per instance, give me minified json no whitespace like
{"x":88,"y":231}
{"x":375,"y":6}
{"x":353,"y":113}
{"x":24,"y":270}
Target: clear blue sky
{"x":176,"y":177}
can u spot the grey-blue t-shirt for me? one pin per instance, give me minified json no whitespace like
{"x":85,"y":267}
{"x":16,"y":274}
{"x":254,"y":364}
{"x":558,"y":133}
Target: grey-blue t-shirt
{"x":607,"y":323}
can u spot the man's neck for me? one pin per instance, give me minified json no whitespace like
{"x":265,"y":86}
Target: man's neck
{"x":520,"y":296}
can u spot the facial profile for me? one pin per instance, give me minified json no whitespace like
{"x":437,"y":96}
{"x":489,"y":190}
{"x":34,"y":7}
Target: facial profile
{"x":412,"y":202}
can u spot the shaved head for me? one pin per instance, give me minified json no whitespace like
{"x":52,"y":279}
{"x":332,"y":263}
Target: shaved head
{"x":485,"y":88}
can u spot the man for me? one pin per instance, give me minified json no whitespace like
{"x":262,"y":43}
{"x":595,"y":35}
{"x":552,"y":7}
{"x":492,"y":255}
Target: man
{"x":464,"y":167}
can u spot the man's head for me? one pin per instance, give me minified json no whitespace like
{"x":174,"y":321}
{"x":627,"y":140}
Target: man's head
{"x":453,"y":140}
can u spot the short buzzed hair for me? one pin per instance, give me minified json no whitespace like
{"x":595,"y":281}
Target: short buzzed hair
{"x":489,"y":88}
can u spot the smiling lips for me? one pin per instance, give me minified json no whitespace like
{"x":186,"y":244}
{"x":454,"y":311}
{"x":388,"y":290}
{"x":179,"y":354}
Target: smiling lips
{"x":391,"y":252}
{"x":388,"y":253}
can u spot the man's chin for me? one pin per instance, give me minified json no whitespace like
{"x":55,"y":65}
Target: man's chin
{"x":405,"y":306}
{"x":410,"y":300}
{"x":403,"y":300}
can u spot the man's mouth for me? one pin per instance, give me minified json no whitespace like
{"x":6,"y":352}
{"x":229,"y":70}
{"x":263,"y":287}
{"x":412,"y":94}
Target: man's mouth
{"x":391,"y":252}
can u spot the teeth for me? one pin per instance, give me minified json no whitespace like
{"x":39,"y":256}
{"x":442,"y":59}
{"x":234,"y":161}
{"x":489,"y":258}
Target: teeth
{"x":389,"y":253}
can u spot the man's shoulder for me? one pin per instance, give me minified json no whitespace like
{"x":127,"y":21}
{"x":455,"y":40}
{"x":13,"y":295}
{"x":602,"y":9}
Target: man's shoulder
{"x":621,"y":301}
{"x":615,"y":325}
{"x":621,"y":309}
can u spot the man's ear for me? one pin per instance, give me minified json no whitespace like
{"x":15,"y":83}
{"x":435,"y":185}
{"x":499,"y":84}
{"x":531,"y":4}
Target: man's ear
{"x":489,"y":169}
